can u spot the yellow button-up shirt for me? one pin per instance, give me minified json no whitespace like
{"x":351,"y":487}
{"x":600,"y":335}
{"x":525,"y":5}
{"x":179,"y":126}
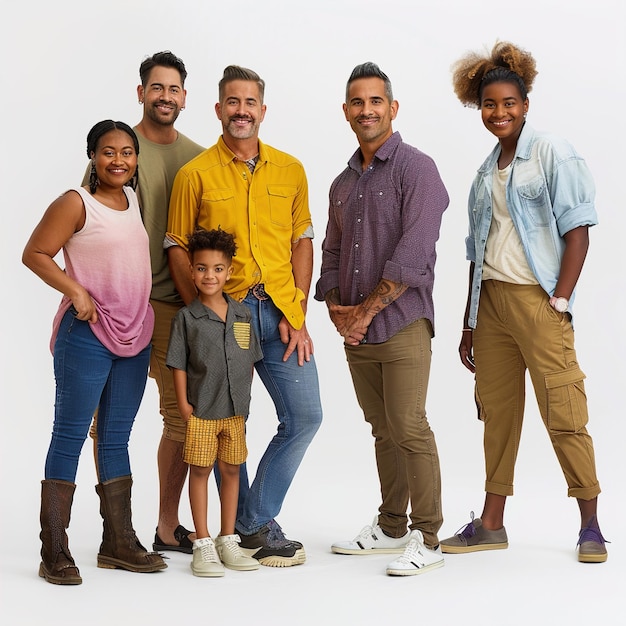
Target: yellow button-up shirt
{"x":266,"y":212}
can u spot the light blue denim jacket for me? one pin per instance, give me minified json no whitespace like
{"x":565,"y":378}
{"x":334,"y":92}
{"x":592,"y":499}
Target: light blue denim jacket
{"x":549,"y":192}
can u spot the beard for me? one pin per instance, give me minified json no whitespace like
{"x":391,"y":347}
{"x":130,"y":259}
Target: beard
{"x":238,"y":132}
{"x":157,"y":117}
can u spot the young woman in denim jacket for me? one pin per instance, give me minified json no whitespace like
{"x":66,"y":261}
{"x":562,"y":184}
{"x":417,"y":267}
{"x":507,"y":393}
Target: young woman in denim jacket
{"x":530,"y":208}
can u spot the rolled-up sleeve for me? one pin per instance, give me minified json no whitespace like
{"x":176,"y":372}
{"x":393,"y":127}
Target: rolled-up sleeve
{"x":183,"y":210}
{"x":573,"y":196}
{"x":424,"y":200}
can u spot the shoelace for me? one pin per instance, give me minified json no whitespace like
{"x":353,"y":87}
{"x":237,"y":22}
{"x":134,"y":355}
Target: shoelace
{"x":209,"y":554}
{"x":411,"y":552}
{"x":367,"y":532}
{"x":232,"y":545}
{"x":468,"y":530}
{"x":275,"y":535}
{"x":591,"y":534}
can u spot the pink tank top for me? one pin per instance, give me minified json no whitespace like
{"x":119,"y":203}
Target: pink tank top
{"x":110,"y":258}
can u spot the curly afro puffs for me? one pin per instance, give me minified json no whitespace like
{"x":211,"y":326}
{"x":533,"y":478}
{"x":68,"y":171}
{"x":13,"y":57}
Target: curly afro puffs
{"x":505,"y":63}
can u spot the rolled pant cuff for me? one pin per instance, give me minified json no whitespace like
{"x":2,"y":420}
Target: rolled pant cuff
{"x":498,"y":489}
{"x":584,"y":493}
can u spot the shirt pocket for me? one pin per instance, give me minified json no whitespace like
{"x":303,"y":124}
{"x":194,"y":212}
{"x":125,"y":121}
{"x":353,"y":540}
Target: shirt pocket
{"x":281,"y":199}
{"x":386,"y":206}
{"x":219,"y":207}
{"x":535,"y":201}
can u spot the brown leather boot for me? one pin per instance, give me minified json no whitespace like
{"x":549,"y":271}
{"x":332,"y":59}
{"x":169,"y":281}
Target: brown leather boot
{"x":120,"y":547}
{"x":57,"y":565}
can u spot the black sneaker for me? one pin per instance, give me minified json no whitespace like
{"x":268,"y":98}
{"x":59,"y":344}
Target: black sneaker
{"x":270,"y":547}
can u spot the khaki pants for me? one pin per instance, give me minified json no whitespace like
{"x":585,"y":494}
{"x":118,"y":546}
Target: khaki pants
{"x":518,"y":329}
{"x":391,"y":380}
{"x":173,"y":425}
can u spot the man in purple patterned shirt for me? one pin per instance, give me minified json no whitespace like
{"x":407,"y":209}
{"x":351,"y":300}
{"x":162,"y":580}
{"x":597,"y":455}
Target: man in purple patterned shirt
{"x":377,"y":280}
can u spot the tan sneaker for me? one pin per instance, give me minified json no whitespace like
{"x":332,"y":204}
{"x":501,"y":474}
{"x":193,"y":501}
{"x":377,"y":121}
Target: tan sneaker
{"x":231,"y":555}
{"x":473,"y":537}
{"x":205,"y":561}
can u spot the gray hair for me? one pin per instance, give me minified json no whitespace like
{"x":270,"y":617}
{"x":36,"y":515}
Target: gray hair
{"x":370,"y":70}
{"x":236,"y":72}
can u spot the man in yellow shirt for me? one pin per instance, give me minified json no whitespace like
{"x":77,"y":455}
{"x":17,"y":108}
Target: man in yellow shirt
{"x":260,"y":195}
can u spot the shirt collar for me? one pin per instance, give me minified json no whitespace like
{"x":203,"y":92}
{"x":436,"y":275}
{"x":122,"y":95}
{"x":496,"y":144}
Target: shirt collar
{"x":198,"y":310}
{"x":523,"y":149}
{"x":382,"y":154}
{"x":228,"y":156}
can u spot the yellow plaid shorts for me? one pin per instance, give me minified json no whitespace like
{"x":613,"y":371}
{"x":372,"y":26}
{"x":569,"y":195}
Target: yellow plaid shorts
{"x":208,"y":440}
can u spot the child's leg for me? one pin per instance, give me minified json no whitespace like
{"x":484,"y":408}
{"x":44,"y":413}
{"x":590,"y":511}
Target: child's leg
{"x":229,"y":494}
{"x":199,"y":498}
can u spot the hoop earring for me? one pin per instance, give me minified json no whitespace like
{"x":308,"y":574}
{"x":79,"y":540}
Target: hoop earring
{"x":93,"y":178}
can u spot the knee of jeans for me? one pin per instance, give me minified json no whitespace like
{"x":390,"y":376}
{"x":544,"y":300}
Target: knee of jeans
{"x":566,"y":400}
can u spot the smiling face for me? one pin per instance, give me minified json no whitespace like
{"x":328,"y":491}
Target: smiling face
{"x":241,"y":109}
{"x":369,"y":111}
{"x":115,"y":159}
{"x":210,"y":269}
{"x":503,"y":108}
{"x":163,"y":95}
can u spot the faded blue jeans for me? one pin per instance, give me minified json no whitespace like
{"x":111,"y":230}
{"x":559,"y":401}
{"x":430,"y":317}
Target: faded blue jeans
{"x":89,"y":377}
{"x":294,"y":389}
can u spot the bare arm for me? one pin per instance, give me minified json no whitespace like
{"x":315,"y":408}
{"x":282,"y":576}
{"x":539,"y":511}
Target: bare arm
{"x":302,"y":267}
{"x":180,"y":388}
{"x":576,"y":246}
{"x":62,"y":219}
{"x":178,"y":261}
{"x":466,"y":346}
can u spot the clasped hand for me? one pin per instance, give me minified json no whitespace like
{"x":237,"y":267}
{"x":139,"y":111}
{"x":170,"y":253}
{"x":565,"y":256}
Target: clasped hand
{"x":351,"y":322}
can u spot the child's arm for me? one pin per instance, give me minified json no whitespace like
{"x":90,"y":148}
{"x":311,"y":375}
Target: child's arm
{"x":180,"y":387}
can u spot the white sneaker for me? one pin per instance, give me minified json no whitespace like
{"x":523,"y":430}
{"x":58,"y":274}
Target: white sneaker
{"x":231,"y":555}
{"x":371,"y":540}
{"x":417,"y":558}
{"x":205,"y":561}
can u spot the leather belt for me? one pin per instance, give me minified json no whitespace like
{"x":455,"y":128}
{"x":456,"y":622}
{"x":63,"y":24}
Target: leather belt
{"x":258,"y":291}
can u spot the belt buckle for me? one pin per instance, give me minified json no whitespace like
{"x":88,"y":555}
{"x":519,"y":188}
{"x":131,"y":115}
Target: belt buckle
{"x":258,"y":291}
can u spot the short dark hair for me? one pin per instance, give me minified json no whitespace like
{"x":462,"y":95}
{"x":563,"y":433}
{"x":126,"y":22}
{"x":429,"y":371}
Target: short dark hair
{"x":163,"y":59}
{"x":236,"y":72}
{"x":370,"y":70}
{"x":216,"y":239}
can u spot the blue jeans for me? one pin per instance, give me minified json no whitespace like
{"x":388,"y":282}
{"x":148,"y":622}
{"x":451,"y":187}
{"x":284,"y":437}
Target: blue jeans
{"x":89,"y":377}
{"x":294,"y":390}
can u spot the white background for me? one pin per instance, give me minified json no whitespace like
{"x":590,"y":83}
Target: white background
{"x":67,"y":65}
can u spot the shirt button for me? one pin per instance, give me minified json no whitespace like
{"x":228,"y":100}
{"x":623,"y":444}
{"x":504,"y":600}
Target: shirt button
{"x":356,"y":271}
{"x":356,"y":245}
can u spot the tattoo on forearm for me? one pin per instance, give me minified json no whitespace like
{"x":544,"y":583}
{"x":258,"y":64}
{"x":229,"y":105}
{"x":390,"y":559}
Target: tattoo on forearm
{"x":385,"y":293}
{"x":388,"y":292}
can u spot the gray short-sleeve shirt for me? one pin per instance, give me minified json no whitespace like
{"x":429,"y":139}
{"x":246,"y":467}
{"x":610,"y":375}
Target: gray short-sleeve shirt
{"x":218,"y":357}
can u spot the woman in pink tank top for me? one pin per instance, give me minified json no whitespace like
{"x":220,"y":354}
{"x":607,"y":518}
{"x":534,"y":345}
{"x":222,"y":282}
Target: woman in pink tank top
{"x":101,"y":348}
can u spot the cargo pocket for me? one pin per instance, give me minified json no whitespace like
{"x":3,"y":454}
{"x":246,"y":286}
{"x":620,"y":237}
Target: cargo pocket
{"x":566,"y":400}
